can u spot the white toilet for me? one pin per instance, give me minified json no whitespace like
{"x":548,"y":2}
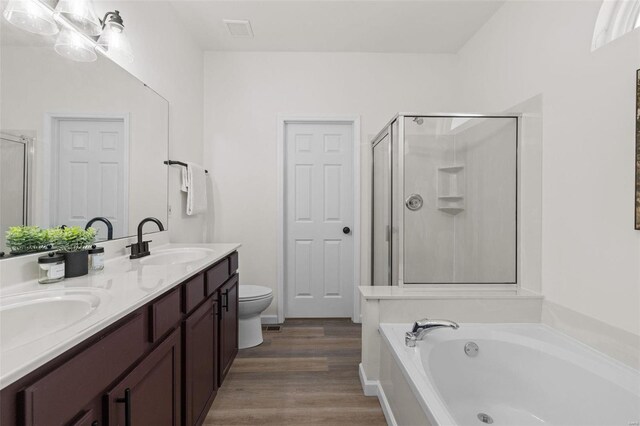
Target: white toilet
{"x":253,"y":300}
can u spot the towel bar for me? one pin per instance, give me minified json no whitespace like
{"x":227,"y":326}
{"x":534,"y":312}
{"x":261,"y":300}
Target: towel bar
{"x":179,"y":163}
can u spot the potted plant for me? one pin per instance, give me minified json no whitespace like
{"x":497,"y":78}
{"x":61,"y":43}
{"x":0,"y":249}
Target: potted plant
{"x":28,"y":239}
{"x":73,"y":242}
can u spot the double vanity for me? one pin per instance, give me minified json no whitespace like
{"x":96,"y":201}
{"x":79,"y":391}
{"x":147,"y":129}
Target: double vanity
{"x":145,"y":342}
{"x":149,"y":339}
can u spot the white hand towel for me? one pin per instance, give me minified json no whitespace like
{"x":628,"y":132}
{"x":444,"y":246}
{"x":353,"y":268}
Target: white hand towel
{"x":196,"y":189}
{"x":184,"y":184}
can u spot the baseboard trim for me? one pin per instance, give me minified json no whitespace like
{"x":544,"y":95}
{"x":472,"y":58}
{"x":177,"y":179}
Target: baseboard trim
{"x":369,"y":387}
{"x":373,"y":388}
{"x":269,"y":319}
{"x":386,"y":408}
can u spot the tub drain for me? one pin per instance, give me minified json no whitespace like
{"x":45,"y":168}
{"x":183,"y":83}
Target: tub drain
{"x":471,"y":349}
{"x":485,"y":418}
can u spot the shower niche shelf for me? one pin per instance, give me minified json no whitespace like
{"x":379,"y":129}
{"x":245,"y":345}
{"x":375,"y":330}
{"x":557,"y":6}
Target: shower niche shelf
{"x":450,"y":189}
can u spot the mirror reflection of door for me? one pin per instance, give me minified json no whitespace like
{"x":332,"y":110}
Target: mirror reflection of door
{"x":13,"y":184}
{"x":91,"y":156}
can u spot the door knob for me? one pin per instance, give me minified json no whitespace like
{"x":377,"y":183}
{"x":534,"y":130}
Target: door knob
{"x":346,"y":230}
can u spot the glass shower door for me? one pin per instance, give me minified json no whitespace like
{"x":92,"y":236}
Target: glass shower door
{"x":460,"y":195}
{"x":381,"y":216}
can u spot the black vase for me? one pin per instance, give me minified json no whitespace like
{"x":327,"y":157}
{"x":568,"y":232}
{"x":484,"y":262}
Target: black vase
{"x":76,"y":263}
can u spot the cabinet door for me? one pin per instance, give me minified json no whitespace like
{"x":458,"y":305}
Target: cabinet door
{"x":228,"y":325}
{"x":150,"y":393}
{"x":201,"y":361}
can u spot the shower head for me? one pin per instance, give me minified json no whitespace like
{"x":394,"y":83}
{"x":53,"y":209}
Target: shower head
{"x":418,"y":120}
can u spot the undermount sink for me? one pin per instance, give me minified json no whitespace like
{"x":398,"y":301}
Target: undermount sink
{"x":176,"y":256}
{"x":27,"y":317}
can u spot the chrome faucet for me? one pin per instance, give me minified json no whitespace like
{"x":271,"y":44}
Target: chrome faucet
{"x":424,"y":326}
{"x":141,"y":248}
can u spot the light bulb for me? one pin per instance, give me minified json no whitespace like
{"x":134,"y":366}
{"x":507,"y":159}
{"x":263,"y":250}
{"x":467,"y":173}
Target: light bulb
{"x":113,"y":40}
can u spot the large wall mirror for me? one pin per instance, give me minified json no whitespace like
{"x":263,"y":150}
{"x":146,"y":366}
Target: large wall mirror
{"x":77,"y":141}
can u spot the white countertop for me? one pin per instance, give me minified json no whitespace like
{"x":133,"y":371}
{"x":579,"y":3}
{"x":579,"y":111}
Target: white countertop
{"x":395,"y":292}
{"x":123,"y":286}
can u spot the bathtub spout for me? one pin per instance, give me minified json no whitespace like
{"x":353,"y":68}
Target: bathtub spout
{"x":424,"y":326}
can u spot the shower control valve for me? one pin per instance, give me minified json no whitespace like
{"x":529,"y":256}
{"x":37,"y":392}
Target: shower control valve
{"x":414,"y":202}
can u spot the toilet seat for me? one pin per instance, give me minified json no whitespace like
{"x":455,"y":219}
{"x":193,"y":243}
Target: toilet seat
{"x":248,"y":293}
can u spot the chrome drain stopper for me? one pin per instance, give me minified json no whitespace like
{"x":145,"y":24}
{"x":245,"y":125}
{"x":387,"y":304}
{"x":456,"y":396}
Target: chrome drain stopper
{"x":485,"y":418}
{"x":471,"y":349}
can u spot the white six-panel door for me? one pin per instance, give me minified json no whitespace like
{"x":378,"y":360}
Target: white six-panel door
{"x":92,"y":164}
{"x":318,"y":206}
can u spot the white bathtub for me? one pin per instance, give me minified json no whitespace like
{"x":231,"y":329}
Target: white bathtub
{"x":523,"y":374}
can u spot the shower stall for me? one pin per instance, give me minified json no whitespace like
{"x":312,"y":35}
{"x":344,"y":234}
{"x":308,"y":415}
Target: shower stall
{"x":445,"y":197}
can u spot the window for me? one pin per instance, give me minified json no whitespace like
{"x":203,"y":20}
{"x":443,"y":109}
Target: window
{"x":616,"y":18}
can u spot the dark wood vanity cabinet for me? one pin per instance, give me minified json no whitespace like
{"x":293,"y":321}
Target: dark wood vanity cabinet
{"x":160,"y":365}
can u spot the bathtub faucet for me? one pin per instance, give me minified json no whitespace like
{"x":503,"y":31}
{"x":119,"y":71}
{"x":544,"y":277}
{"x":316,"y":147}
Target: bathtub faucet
{"x":424,"y":326}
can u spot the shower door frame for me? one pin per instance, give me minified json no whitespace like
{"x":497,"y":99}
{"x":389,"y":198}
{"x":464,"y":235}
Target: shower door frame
{"x":400,"y":118}
{"x":386,"y":131}
{"x":27,"y":179}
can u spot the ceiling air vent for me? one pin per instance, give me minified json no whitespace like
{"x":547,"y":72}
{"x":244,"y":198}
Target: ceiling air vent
{"x":238,"y":28}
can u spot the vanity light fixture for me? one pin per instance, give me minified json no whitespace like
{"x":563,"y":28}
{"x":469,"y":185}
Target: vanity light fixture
{"x":81,"y":32}
{"x":72,"y":45}
{"x":32,"y":16}
{"x":81,"y":14}
{"x":113,"y":41}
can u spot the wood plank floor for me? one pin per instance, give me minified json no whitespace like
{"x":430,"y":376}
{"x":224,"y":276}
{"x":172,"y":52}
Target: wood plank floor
{"x":306,"y":374}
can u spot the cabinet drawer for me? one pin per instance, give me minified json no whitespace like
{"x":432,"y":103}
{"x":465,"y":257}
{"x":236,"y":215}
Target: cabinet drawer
{"x":165,"y":314}
{"x":193,"y":292}
{"x":233,"y":263}
{"x":217,"y":275}
{"x":61,"y":394}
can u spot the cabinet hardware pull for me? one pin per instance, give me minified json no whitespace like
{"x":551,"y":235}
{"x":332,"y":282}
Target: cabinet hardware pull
{"x":225,"y":303}
{"x":127,"y":406}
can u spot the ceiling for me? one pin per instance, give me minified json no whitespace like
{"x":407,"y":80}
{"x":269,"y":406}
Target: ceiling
{"x":418,"y":26}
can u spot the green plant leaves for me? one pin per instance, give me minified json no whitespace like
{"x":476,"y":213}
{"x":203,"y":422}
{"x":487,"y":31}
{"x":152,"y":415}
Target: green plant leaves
{"x":29,"y":239}
{"x":72,"y":238}
{"x":25,"y":239}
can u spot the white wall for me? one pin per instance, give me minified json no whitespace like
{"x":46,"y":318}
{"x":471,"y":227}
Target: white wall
{"x":245,"y":92}
{"x":169,"y":61}
{"x":590,"y":252}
